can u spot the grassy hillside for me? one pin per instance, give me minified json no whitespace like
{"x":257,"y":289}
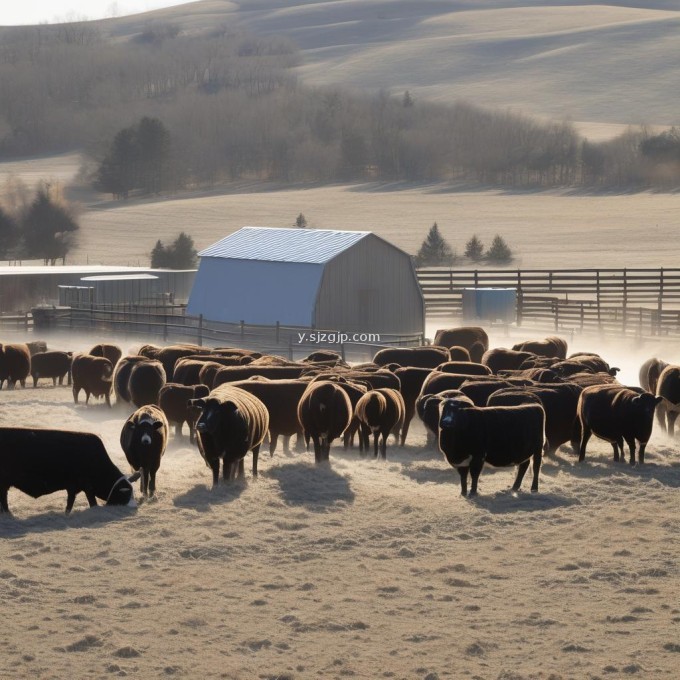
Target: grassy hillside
{"x":589,"y":62}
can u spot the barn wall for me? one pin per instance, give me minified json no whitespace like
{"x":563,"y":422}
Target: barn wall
{"x":371,"y":288}
{"x":255,"y":292}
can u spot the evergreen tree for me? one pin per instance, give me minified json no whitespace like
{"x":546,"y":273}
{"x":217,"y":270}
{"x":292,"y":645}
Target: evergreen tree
{"x":301,"y":221}
{"x":8,"y":233}
{"x":183,"y":253}
{"x":180,"y":254}
{"x":159,"y":256}
{"x":474,"y":249}
{"x":407,"y":100}
{"x":139,"y":158}
{"x":434,"y":251}
{"x":499,"y":252}
{"x":48,"y":229}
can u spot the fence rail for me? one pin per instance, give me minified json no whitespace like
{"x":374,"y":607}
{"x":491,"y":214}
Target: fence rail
{"x":172,"y":324}
{"x":643,"y":302}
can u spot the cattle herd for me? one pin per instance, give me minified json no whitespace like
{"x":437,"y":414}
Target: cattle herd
{"x":502,"y":407}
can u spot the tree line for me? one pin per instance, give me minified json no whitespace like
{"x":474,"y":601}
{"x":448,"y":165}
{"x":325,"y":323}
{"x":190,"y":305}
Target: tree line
{"x":40,"y":226}
{"x":230,"y":107}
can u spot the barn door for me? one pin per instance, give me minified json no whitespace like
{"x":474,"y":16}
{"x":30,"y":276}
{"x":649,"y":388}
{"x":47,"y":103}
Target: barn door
{"x":367,"y":300}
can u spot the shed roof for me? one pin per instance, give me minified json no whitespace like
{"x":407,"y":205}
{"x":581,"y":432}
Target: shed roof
{"x":312,"y":246}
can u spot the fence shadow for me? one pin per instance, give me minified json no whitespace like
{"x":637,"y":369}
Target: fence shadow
{"x":316,"y":487}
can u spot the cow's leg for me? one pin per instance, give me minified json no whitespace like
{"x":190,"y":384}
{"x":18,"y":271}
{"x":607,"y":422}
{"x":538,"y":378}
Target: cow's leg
{"x":256,"y":452}
{"x":661,"y":416}
{"x":585,"y":436}
{"x":576,"y":436}
{"x":286,"y":444}
{"x":178,"y":430}
{"x":70,"y":500}
{"x":107,"y":396}
{"x":87,"y":397}
{"x":54,"y":382}
{"x":383,"y":447}
{"x":35,"y":380}
{"x":376,"y":439}
{"x":76,"y":392}
{"x":463,"y":472}
{"x":152,"y":482}
{"x":615,"y":447}
{"x":273,"y":439}
{"x":23,"y":382}
{"x":3,"y":499}
{"x":672,"y":416}
{"x":538,"y":458}
{"x":476,"y":466}
{"x":317,"y":448}
{"x":408,"y":417}
{"x":144,"y":481}
{"x":215,"y":467}
{"x":641,"y":452}
{"x":521,"y":471}
{"x":631,"y":448}
{"x":240,"y":468}
{"x":91,"y":499}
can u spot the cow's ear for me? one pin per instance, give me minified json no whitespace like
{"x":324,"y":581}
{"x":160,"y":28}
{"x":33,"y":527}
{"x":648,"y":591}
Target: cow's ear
{"x":198,"y":403}
{"x":230,"y":406}
{"x":613,"y":371}
{"x":130,"y":425}
{"x":158,"y":424}
{"x":658,"y":400}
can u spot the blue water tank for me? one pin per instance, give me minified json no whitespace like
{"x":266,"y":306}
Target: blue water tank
{"x":490,"y":304}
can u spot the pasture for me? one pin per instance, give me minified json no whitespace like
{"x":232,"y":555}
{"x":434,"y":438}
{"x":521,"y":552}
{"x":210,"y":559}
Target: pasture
{"x":363,"y":569}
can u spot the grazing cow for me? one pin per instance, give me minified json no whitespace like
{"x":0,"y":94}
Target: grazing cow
{"x":473,"y":338}
{"x":53,"y":365}
{"x":539,"y":375}
{"x":668,"y":388}
{"x":35,"y":346}
{"x":650,"y":372}
{"x":552,"y":346}
{"x":324,"y":412}
{"x":121,"y":376}
{"x":145,"y":383}
{"x":93,"y":375}
{"x":420,"y":357}
{"x":593,"y":362}
{"x":560,"y":403}
{"x":501,"y":436}
{"x":354,"y":391}
{"x":379,"y":412}
{"x":232,"y":422}
{"x":39,"y":462}
{"x":616,"y":413}
{"x":463,"y":368}
{"x":169,"y":355}
{"x":229,"y":374}
{"x":143,"y":440}
{"x":460,"y":353}
{"x":500,"y":359}
{"x":111,"y":352}
{"x":174,"y":401}
{"x":479,"y":391}
{"x":15,"y":364}
{"x":427,"y":407}
{"x":281,"y":398}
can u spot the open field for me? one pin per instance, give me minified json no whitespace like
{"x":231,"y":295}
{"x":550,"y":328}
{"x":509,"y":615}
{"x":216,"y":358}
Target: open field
{"x":546,"y":229}
{"x":362,"y":569}
{"x":590,"y":63}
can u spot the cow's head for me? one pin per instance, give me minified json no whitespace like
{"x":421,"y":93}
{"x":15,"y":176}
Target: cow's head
{"x":647,"y":403}
{"x":121,"y":492}
{"x":452,"y":411}
{"x":144,"y":428}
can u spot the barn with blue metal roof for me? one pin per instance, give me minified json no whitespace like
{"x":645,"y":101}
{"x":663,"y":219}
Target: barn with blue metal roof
{"x":327,"y":279}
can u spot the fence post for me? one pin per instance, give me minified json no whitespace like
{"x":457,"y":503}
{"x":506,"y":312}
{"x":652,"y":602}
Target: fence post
{"x":557,"y":316}
{"x":520,"y":307}
{"x":597,"y":292}
{"x":165,"y":327}
{"x":582,"y":317}
{"x":278,"y":327}
{"x":200,"y":330}
{"x":625,"y":301}
{"x":660,"y":302}
{"x":242,"y":329}
{"x":476,"y":278}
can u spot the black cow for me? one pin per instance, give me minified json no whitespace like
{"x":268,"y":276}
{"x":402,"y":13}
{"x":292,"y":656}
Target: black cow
{"x":470,"y":436}
{"x":39,"y":462}
{"x":616,"y":413}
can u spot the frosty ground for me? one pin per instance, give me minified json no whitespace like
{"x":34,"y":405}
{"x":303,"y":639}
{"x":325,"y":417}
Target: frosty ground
{"x":362,"y":569}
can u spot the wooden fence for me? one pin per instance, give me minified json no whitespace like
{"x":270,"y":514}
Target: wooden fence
{"x":644,"y":302}
{"x":171,"y":324}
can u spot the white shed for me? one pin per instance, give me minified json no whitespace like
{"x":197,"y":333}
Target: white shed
{"x":333,"y":280}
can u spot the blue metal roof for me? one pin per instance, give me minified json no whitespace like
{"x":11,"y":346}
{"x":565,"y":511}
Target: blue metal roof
{"x":313,"y":246}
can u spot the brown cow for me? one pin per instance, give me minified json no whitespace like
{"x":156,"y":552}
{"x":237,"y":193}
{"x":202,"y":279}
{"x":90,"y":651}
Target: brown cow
{"x":93,"y":375}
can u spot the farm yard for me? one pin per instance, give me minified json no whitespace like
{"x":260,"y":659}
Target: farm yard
{"x":362,"y":569}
